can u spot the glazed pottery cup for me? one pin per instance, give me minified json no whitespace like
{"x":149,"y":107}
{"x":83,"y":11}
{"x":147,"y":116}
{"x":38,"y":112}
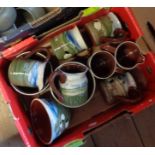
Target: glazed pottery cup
{"x":127,"y":54}
{"x":49,"y":120}
{"x":29,"y":76}
{"x":73,"y":83}
{"x":102,"y":27}
{"x":68,"y":44}
{"x":102,"y":64}
{"x":7,"y":18}
{"x":120,"y":88}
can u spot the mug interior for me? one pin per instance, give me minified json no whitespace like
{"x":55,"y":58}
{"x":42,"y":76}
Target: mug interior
{"x":102,"y":64}
{"x":41,"y":121}
{"x":73,"y":68}
{"x":127,"y":54}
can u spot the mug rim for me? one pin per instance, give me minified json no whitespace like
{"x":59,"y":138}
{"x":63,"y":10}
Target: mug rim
{"x":90,"y":60}
{"x":115,"y":55}
{"x":46,"y":108}
{"x":37,"y":92}
{"x":74,"y":63}
{"x":90,"y":97}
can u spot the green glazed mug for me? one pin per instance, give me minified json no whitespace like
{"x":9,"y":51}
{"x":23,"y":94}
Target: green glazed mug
{"x":68,"y":44}
{"x":73,"y":83}
{"x":29,"y":76}
{"x":102,"y":27}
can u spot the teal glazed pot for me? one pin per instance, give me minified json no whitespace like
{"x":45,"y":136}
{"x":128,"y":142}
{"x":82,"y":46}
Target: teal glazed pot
{"x":7,"y":18}
{"x":49,"y":119}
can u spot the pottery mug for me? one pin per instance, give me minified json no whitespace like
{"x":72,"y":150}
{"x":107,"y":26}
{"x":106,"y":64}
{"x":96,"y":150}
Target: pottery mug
{"x":73,"y":83}
{"x":7,"y":18}
{"x":127,"y":54}
{"x":68,"y":44}
{"x":49,"y":119}
{"x":102,"y":27}
{"x":28,"y":75}
{"x":121,"y":88}
{"x":102,"y":64}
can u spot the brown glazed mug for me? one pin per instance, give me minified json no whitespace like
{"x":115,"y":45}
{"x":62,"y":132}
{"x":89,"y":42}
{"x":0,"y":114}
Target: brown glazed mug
{"x":127,"y":54}
{"x":102,"y":64}
{"x":121,"y":89}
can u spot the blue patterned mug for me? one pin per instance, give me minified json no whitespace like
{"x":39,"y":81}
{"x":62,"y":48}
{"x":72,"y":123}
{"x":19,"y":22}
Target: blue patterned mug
{"x":49,"y":120}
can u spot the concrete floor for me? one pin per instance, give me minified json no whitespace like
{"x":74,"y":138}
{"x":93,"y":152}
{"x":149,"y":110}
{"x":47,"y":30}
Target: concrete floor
{"x":8,"y":133}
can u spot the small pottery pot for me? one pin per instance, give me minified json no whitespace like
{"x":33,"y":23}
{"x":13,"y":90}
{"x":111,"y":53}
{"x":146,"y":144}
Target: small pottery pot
{"x":49,"y":120}
{"x":7,"y":18}
{"x":67,"y":44}
{"x":29,"y":76}
{"x":74,"y":85}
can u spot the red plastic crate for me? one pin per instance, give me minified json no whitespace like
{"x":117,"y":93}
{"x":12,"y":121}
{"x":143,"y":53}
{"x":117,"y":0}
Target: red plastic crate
{"x":76,"y":133}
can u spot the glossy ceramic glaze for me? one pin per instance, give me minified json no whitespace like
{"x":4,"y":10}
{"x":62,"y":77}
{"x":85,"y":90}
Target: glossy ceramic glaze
{"x":73,"y":84}
{"x":49,"y":119}
{"x":67,"y":44}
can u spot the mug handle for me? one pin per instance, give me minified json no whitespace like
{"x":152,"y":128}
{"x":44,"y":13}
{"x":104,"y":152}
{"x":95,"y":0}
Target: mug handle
{"x":40,"y":50}
{"x":119,"y":70}
{"x":120,"y":36}
{"x":141,"y":59}
{"x":108,"y":47}
{"x":52,"y":84}
{"x":126,"y":100}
